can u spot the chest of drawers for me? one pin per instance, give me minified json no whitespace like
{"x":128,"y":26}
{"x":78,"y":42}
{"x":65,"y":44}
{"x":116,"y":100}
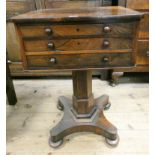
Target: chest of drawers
{"x":80,"y":40}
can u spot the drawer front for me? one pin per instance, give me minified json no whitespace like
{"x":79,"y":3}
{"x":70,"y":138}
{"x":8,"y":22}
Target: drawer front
{"x":77,"y":44}
{"x":76,"y":61}
{"x":138,"y":4}
{"x":117,"y":29}
{"x":77,"y":3}
{"x":143,"y":52}
{"x":144,"y":26}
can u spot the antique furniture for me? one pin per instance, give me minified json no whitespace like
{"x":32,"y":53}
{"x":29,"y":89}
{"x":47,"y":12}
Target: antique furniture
{"x":80,"y":40}
{"x":16,"y":7}
{"x":142,"y":54}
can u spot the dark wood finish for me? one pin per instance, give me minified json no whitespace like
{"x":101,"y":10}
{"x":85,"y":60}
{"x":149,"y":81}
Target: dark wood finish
{"x":80,"y":51}
{"x":79,"y":61}
{"x":144,"y":27}
{"x":77,"y":44}
{"x":19,"y":71}
{"x":15,"y":7}
{"x":83,"y":14}
{"x":85,"y":108}
{"x":97,"y":123}
{"x":137,"y":68}
{"x":143,"y":52}
{"x":114,"y":30}
{"x":10,"y":91}
{"x":82,"y":100}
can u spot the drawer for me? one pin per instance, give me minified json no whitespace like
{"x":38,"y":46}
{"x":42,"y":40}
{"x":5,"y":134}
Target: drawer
{"x":74,"y":61}
{"x":142,"y":57}
{"x":117,"y":29}
{"x":144,"y":26}
{"x":138,"y":4}
{"x":77,"y":44}
{"x":73,"y":3}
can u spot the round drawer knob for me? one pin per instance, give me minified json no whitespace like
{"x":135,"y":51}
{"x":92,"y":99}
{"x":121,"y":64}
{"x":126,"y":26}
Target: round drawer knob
{"x":50,"y":45}
{"x":147,"y":53}
{"x":107,"y":29}
{"x":48,"y":31}
{"x":106,"y":43}
{"x":105,"y":59}
{"x":53,"y":60}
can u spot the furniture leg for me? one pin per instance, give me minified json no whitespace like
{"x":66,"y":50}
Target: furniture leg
{"x":11,"y":95}
{"x":115,"y":78}
{"x":84,"y":113}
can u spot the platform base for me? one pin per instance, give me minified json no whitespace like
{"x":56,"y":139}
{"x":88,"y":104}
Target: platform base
{"x":71,"y":123}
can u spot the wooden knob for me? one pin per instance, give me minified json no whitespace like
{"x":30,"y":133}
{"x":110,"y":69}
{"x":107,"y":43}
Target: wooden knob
{"x":53,"y":60}
{"x":48,"y":31}
{"x":107,"y":29}
{"x":50,"y":45}
{"x":106,"y":43}
{"x":105,"y":59}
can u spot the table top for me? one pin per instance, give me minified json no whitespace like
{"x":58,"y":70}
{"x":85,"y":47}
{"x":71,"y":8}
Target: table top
{"x":79,"y":14}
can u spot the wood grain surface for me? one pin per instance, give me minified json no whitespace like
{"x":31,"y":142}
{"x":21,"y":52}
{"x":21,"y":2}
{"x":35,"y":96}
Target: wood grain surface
{"x":116,"y":30}
{"x":80,"y":61}
{"x":94,"y":14}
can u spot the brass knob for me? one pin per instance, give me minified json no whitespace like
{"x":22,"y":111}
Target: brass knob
{"x":50,"y":45}
{"x":147,"y":53}
{"x":53,"y":60}
{"x":106,"y":43}
{"x":48,"y":31}
{"x":107,"y":29}
{"x":105,"y":59}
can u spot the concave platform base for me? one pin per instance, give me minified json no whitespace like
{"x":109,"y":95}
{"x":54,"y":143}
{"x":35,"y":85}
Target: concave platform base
{"x":94,"y":122}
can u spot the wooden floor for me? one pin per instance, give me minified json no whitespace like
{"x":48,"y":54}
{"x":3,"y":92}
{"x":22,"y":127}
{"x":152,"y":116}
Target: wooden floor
{"x":29,"y":122}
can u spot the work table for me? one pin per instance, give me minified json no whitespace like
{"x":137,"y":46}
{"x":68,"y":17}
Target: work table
{"x":80,"y":40}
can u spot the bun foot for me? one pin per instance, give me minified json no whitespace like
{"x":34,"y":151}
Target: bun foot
{"x":55,"y":144}
{"x":111,"y":142}
{"x":107,"y":106}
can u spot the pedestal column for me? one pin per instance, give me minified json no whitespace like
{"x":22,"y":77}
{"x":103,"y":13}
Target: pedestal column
{"x":83,"y":100}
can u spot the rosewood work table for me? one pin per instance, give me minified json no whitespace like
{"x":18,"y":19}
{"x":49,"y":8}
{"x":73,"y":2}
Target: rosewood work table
{"x":80,"y":40}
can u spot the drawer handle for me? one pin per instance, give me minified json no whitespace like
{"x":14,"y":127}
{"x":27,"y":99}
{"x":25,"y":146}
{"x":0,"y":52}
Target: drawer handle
{"x":105,"y":59}
{"x":106,"y":43}
{"x":51,"y":45}
{"x":107,"y":29}
{"x":48,"y":31}
{"x":52,"y":60}
{"x":147,"y":53}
